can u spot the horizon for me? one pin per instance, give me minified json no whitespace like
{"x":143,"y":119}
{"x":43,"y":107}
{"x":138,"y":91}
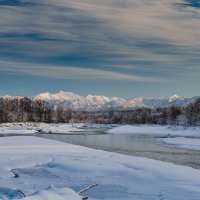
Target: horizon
{"x":126,"y":49}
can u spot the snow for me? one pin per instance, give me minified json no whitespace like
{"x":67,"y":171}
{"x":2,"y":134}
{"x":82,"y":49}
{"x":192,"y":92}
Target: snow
{"x":41,"y":162}
{"x":156,"y":130}
{"x":96,"y":100}
{"x":182,"y":142}
{"x":17,"y":128}
{"x":31,"y":128}
{"x":93,"y":103}
{"x":61,"y":128}
{"x":53,"y":193}
{"x":62,"y":96}
{"x":12,"y":97}
{"x":174,"y":97}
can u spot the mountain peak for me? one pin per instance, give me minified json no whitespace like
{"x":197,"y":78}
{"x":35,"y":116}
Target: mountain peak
{"x":174,"y":97}
{"x":73,"y":101}
{"x":97,"y":99}
{"x":60,"y":96}
{"x":12,"y":97}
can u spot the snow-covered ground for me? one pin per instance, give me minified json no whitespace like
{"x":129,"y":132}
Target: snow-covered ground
{"x":182,"y":142}
{"x":53,"y":193}
{"x":156,"y":129}
{"x":31,"y":128}
{"x":177,"y":135}
{"x":30,"y":164}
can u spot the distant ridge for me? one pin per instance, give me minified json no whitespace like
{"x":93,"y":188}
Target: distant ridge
{"x":74,"y":101}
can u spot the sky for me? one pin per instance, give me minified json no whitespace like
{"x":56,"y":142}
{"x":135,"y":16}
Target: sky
{"x":125,"y":48}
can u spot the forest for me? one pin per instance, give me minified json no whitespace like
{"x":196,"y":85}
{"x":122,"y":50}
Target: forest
{"x":23,"y":109}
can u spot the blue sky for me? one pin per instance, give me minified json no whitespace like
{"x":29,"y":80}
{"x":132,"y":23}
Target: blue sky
{"x":126,"y":48}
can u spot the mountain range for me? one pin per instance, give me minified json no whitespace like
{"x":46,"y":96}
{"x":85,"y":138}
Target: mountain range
{"x":73,"y":101}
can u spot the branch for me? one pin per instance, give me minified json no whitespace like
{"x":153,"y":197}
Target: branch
{"x":22,"y":193}
{"x":16,"y":175}
{"x":88,"y":188}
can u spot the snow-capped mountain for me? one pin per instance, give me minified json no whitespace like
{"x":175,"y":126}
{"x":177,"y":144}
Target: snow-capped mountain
{"x":60,"y":96}
{"x":73,"y":101}
{"x":12,"y":97}
{"x":57,"y":98}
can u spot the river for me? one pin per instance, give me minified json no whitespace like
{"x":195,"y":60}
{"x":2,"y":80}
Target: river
{"x":134,"y":145}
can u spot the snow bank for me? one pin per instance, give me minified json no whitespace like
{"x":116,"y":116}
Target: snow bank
{"x":31,"y":128}
{"x":97,"y":126}
{"x":40,"y":162}
{"x":182,"y":142}
{"x":53,"y":193}
{"x":60,"y":128}
{"x":17,"y":128}
{"x":156,"y":129}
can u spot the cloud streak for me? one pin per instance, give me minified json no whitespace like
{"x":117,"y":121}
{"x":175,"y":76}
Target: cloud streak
{"x":69,"y":72}
{"x":127,"y":40}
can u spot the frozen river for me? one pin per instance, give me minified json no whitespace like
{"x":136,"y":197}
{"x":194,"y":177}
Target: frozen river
{"x":136,"y":145}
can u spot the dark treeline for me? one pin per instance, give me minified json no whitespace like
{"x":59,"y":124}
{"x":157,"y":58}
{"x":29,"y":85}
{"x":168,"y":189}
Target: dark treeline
{"x":24,"y":109}
{"x":28,"y":110}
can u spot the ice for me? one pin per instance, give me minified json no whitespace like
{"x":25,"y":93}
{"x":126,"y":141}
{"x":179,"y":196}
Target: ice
{"x":182,"y":142}
{"x":156,"y":130}
{"x":31,"y":128}
{"x":53,"y":193}
{"x":41,"y":162}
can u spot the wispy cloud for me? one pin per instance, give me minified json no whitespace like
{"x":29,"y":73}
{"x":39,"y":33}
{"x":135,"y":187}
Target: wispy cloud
{"x":69,"y":72}
{"x":110,"y":37}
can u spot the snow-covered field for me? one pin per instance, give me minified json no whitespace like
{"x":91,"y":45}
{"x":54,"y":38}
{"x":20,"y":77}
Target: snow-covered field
{"x":53,"y":193}
{"x":156,"y":129}
{"x":29,"y":164}
{"x":31,"y":128}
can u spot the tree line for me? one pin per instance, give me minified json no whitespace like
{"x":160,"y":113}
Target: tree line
{"x":23,"y":109}
{"x":18,"y":109}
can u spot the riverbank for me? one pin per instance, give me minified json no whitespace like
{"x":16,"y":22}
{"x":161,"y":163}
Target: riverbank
{"x":32,"y":128}
{"x":165,"y":130}
{"x":46,"y":128}
{"x":41,"y":162}
{"x":169,"y":131}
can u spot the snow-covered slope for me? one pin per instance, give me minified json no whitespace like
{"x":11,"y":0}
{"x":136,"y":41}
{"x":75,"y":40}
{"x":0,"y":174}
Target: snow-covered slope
{"x":53,"y":193}
{"x":12,"y":97}
{"x":58,"y":96}
{"x":94,"y":103}
{"x":40,"y":162}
